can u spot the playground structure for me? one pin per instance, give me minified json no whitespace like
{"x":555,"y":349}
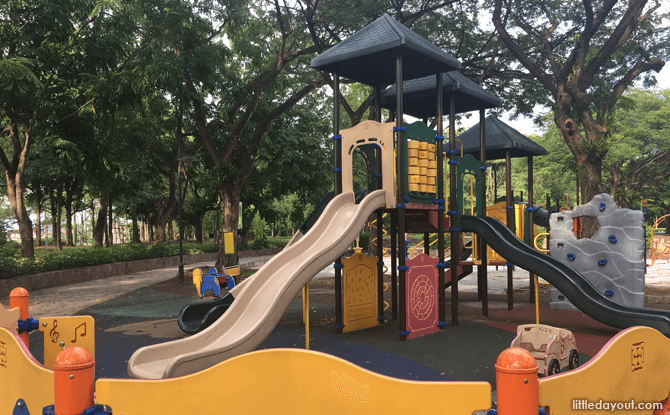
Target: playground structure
{"x":633,"y":366}
{"x":172,"y":373}
{"x":612,"y":260}
{"x":660,"y":246}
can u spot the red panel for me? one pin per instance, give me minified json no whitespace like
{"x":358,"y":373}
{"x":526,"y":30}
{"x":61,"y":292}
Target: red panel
{"x":422,"y":296}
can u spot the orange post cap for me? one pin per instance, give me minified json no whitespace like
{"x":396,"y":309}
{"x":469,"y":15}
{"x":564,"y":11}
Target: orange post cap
{"x":73,"y":358}
{"x":516,"y":360}
{"x":18,"y":292}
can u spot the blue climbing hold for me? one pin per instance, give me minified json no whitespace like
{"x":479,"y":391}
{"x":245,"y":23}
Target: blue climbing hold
{"x":602,"y":262}
{"x":609,"y":293}
{"x":572,"y":257}
{"x":602,"y":207}
{"x":613,"y":239}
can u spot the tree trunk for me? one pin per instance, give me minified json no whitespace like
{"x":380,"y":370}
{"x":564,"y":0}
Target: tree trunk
{"x":217,"y":227}
{"x":68,"y":219}
{"x":110,"y":228}
{"x":55,"y":225}
{"x":198,"y":229}
{"x":171,"y":233}
{"x":161,"y":236}
{"x":136,"y":230}
{"x":583,"y":148}
{"x":38,"y":217}
{"x":16,"y":189}
{"x":99,"y":224}
{"x":164,"y":209}
{"x":150,"y":229}
{"x":244,"y":234}
{"x":230,"y":196}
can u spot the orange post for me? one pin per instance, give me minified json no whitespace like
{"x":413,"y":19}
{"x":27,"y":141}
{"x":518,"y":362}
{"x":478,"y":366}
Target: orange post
{"x":665,"y":410}
{"x":516,"y":383}
{"x":19,"y":298}
{"x":74,"y":377}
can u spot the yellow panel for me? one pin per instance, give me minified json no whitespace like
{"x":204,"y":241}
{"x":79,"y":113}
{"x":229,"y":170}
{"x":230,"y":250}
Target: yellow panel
{"x":423,"y":154}
{"x":432,"y":164}
{"x":431,"y":148}
{"x":633,"y":365}
{"x":291,"y":381}
{"x":413,"y":145}
{"x":413,"y":187}
{"x":430,"y":189}
{"x":424,"y":170}
{"x":62,"y":332}
{"x":359,"y":286}
{"x":229,"y":243}
{"x":415,"y":171}
{"x":233,"y":271}
{"x":413,"y":161}
{"x":422,"y":188}
{"x":413,"y":153}
{"x":496,"y":211}
{"x":423,"y":163}
{"x":432,"y":172}
{"x":197,"y":279}
{"x":9,"y":318}
{"x":21,"y":376}
{"x":422,"y":179}
{"x":430,"y":180}
{"x":415,"y":179}
{"x":423,"y":145}
{"x":519,"y":211}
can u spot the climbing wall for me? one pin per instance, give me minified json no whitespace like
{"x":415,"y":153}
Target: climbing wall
{"x":612,"y":260}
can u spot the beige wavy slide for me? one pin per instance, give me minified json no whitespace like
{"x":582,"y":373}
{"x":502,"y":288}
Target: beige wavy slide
{"x":261,"y":302}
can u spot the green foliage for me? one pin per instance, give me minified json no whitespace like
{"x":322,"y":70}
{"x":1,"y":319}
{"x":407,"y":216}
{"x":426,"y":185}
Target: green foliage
{"x":261,"y":242}
{"x":85,"y":257}
{"x":363,"y":239}
{"x":266,"y":242}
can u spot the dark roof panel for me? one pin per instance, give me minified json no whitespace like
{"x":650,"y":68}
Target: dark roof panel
{"x":368,"y":56}
{"x":419,"y":95}
{"x":500,"y":138}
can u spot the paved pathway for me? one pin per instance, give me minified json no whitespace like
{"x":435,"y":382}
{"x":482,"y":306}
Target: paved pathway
{"x":69,"y":299}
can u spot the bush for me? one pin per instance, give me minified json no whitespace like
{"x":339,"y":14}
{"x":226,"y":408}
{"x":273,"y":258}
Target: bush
{"x":363,"y":240}
{"x":11,"y":265}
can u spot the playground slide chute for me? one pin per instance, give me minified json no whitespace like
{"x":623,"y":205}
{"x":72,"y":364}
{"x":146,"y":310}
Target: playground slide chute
{"x":261,"y":302}
{"x":197,"y":317}
{"x":575,"y":287}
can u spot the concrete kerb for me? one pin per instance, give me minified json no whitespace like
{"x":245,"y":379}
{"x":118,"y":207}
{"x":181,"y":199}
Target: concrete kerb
{"x":76,"y":275}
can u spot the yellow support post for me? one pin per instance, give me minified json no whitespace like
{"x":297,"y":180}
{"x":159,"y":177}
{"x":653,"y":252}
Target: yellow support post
{"x":305,"y":313}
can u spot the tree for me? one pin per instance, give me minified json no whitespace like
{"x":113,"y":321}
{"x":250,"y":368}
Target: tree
{"x":639,"y":156}
{"x":584,"y":55}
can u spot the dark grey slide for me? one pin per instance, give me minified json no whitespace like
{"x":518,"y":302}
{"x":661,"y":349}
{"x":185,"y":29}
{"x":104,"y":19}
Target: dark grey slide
{"x":575,"y":287}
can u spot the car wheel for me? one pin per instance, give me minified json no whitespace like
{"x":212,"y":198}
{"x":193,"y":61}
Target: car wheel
{"x":573,"y":360}
{"x":554,"y":367}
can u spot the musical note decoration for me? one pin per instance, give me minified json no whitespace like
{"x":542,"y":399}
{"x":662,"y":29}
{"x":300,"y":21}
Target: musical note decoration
{"x":53,"y":333}
{"x":75,"y":332}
